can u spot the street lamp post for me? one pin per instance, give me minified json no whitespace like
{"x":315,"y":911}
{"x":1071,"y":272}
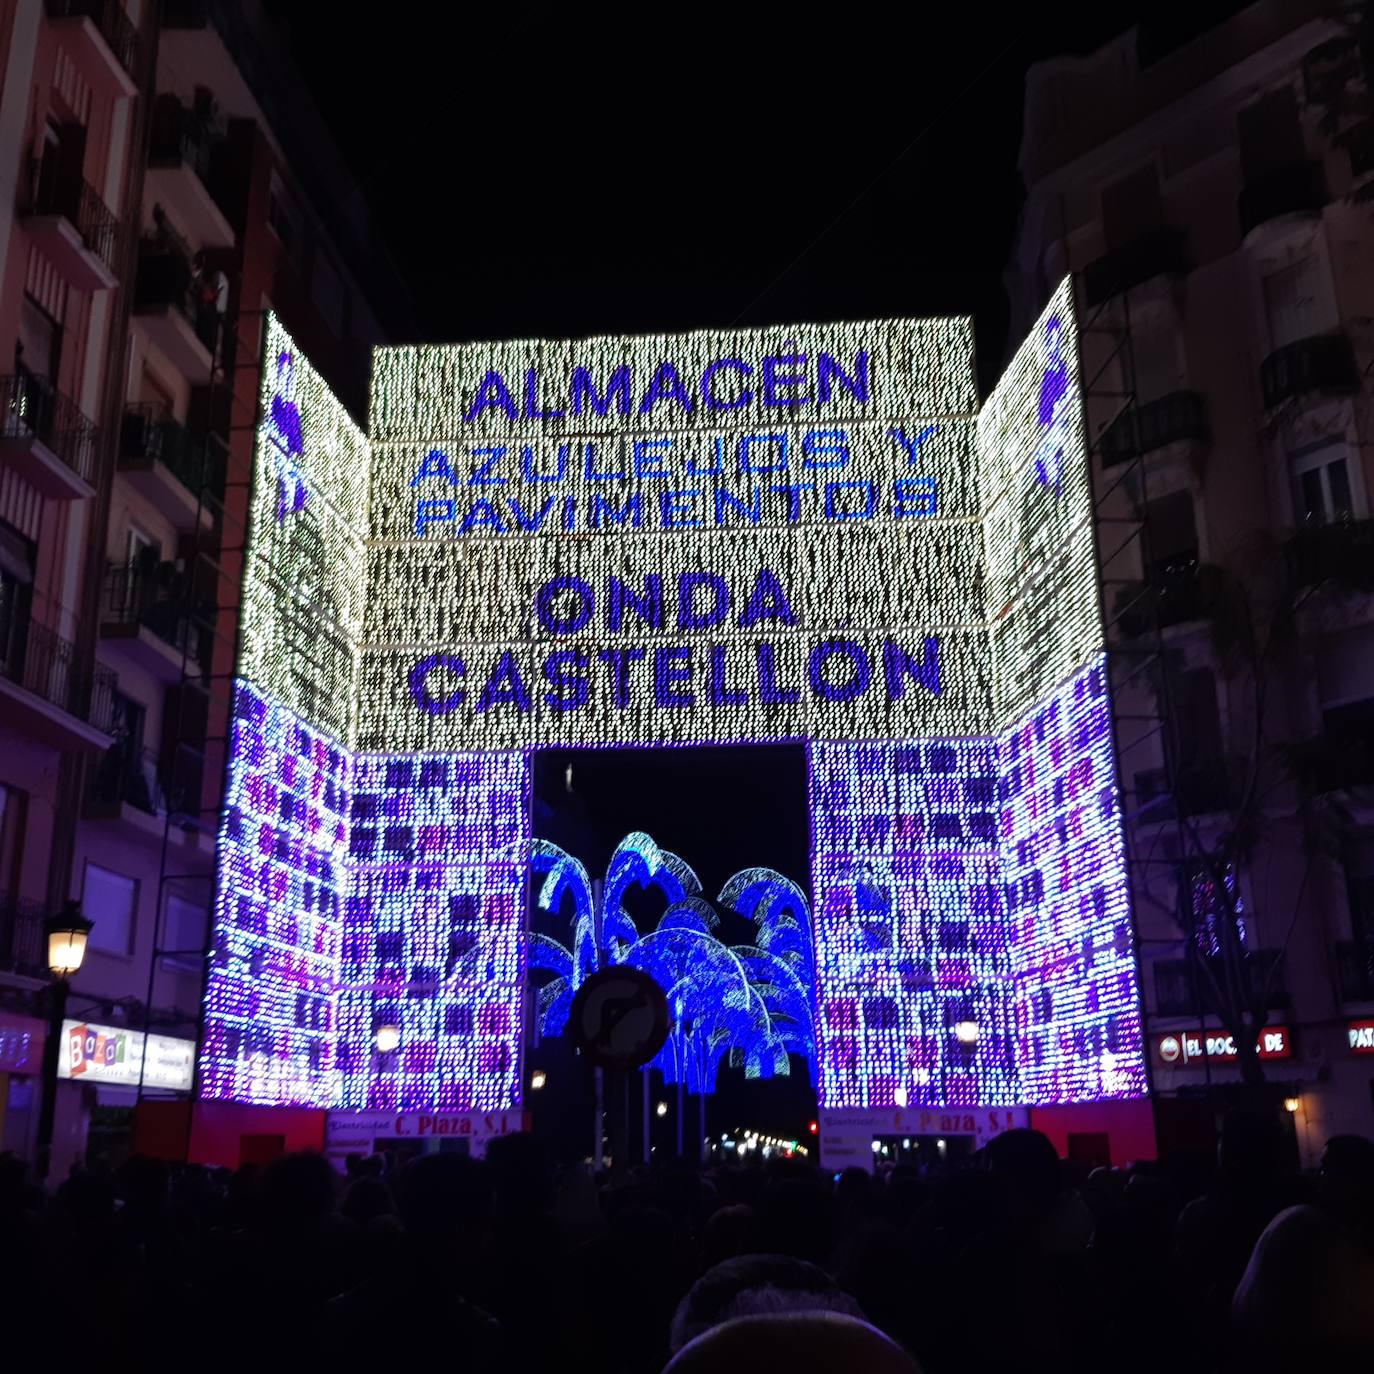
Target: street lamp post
{"x":67,"y":933}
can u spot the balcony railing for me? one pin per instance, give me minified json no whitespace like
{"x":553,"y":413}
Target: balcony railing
{"x":1161,"y":252}
{"x":1336,"y":760}
{"x":1298,"y":189}
{"x":47,"y":665}
{"x":183,"y":135}
{"x":1182,"y":987}
{"x":166,"y":279}
{"x":1359,"y":145}
{"x":1341,"y":552}
{"x":1324,"y":362}
{"x":110,"y":20}
{"x":196,"y":462}
{"x":52,"y":192}
{"x":1174,"y":593}
{"x":1355,"y":970}
{"x":1143,"y":428}
{"x":156,"y":598}
{"x":1197,"y":789}
{"x":23,"y":946}
{"x":35,"y":409}
{"x":132,"y":776}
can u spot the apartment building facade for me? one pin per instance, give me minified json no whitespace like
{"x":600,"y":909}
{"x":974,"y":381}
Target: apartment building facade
{"x":1214,"y":204}
{"x":169,"y":189}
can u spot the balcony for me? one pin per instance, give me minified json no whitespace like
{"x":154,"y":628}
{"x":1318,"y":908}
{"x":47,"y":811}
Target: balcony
{"x":23,"y":945}
{"x":1298,"y":189}
{"x":102,"y":42}
{"x":1324,"y":363}
{"x":169,"y":309}
{"x":1341,"y":553}
{"x":127,"y":787}
{"x":46,"y":439}
{"x":179,"y":165}
{"x":1161,"y":252}
{"x":180,"y":473}
{"x":1337,"y":760}
{"x":45,"y":693}
{"x":1354,"y":970}
{"x":1177,"y":592}
{"x":1182,"y":987}
{"x":1180,"y":417}
{"x":71,"y":226}
{"x":1197,"y":789}
{"x":146,"y":618}
{"x":1358,"y":143}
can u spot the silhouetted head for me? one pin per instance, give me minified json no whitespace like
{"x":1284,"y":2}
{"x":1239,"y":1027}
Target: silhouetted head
{"x":810,"y":1343}
{"x":1026,"y":1162}
{"x":367,"y":1199}
{"x":296,"y":1188}
{"x":730,"y":1231}
{"x":1347,"y":1181}
{"x":520,"y":1174}
{"x":1250,"y":1148}
{"x":445,"y":1197}
{"x":752,"y":1285}
{"x":144,"y":1183}
{"x":797,"y":1216}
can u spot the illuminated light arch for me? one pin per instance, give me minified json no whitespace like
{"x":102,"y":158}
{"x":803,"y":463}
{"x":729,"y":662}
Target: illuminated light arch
{"x":809,"y":533}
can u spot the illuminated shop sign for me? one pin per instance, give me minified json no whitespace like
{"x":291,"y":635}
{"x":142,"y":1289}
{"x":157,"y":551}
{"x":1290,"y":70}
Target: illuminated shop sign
{"x":1361,"y":1036}
{"x":111,"y":1054}
{"x":1179,"y":1049}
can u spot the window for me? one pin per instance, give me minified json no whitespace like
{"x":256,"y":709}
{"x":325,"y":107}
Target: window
{"x":1359,"y":882}
{"x":284,"y":218}
{"x":1296,"y":303}
{"x":38,"y":349}
{"x":110,"y":900}
{"x":13,"y":813}
{"x":16,"y":598}
{"x":183,"y":933}
{"x":1171,"y":535}
{"x":1154,"y":354}
{"x":155,"y":396}
{"x":1208,"y":909}
{"x":1321,"y":484}
{"x":327,"y":291}
{"x":1131,"y":207}
{"x":143,"y":550}
{"x":1269,"y":134}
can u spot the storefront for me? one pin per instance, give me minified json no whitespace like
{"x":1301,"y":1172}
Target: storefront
{"x":21,"y":1066}
{"x":106,"y":1069}
{"x":406,"y":1134}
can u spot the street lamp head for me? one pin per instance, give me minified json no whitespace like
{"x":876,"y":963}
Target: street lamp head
{"x":67,"y":932}
{"x":537,"y":1079}
{"x":966,"y":1032}
{"x":388,"y":1038}
{"x":662,"y":1109}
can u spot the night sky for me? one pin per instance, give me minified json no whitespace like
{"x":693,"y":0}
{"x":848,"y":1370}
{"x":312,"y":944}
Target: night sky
{"x":541,"y":170}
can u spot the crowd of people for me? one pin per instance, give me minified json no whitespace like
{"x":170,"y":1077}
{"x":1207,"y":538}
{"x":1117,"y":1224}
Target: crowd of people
{"x":447,"y":1262}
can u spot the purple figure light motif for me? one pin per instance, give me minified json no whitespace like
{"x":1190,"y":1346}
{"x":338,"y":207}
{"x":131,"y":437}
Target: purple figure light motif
{"x":1054,"y":390}
{"x":288,"y":444}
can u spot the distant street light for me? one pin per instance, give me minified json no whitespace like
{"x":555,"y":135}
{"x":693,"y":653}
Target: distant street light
{"x":537,"y":1079}
{"x":966,"y":1032}
{"x":67,"y":933}
{"x":388,"y":1038}
{"x":661,"y":1109}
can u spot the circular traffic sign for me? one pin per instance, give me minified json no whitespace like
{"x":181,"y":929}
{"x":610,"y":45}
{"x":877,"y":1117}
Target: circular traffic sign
{"x":619,"y":1018}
